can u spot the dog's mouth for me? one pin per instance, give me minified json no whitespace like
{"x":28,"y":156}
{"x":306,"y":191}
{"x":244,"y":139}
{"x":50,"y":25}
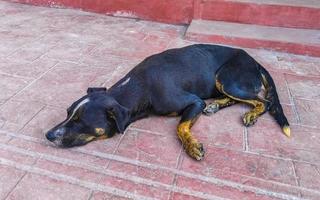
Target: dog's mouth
{"x":79,"y":140}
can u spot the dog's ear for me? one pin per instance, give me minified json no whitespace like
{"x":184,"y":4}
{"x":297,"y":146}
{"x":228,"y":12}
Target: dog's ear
{"x":120,"y":115}
{"x":96,"y":89}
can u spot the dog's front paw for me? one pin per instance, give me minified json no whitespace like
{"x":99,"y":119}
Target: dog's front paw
{"x":211,"y":108}
{"x":195,"y":149}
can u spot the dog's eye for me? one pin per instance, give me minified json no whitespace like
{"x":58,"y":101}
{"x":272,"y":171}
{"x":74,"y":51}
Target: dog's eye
{"x":75,"y":117}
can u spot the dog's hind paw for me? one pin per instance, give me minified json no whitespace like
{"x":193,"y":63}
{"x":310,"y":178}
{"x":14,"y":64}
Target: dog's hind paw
{"x":211,"y":108}
{"x":249,"y":119}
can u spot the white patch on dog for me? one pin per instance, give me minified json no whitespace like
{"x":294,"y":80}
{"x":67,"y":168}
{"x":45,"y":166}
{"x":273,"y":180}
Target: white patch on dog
{"x":124,"y":82}
{"x":84,"y":101}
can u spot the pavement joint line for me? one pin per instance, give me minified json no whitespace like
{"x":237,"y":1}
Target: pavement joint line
{"x":174,"y":181}
{"x":212,"y":180}
{"x":29,"y":84}
{"x":16,"y":76}
{"x":306,"y":99}
{"x":43,"y":141}
{"x":295,"y":110}
{"x":41,"y":109}
{"x":245,"y":140}
{"x":125,"y":176}
{"x":115,"y":71}
{"x":90,"y":195}
{"x":292,"y":73}
{"x":109,"y":172}
{"x":299,"y":75}
{"x":12,"y":189}
{"x":317,"y":170}
{"x":2,"y":124}
{"x":20,"y":179}
{"x":279,"y":158}
{"x":55,"y":107}
{"x":296,"y":177}
{"x":102,"y":170}
{"x":152,"y":132}
{"x":91,"y":50}
{"x":295,"y":174}
{"x":42,"y":55}
{"x":108,"y":164}
{"x":306,"y":126}
{"x":26,"y":44}
{"x":72,"y":180}
{"x":62,"y":61}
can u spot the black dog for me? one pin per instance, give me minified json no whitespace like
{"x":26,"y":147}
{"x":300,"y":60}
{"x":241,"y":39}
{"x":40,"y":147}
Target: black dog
{"x":173,"y":82}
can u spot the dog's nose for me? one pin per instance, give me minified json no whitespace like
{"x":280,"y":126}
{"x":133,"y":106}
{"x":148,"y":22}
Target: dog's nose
{"x":52,"y":135}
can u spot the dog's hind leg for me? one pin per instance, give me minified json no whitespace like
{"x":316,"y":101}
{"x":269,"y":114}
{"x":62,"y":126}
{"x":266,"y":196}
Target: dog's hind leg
{"x":240,"y":79}
{"x":189,"y":116}
{"x":259,"y":105}
{"x":218,"y":104}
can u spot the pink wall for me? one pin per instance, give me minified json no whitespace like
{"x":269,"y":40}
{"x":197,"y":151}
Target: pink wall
{"x":171,"y":11}
{"x":260,"y":13}
{"x":183,"y":11}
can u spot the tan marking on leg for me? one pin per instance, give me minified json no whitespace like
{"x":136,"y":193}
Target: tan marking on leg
{"x":218,"y":104}
{"x":190,"y":144}
{"x":99,"y":131}
{"x":251,"y":116}
{"x":223,"y":101}
{"x":173,"y":114}
{"x":102,"y":137}
{"x":219,"y":86}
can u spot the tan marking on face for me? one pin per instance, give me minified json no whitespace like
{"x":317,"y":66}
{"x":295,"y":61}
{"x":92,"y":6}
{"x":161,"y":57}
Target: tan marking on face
{"x":89,"y":138}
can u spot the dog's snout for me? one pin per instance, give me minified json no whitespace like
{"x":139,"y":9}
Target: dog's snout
{"x":50,"y":136}
{"x":54,"y":134}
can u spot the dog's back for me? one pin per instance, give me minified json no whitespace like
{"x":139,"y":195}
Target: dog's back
{"x":190,"y":69}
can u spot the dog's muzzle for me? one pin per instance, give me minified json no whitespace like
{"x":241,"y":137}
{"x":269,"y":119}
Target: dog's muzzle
{"x":53,"y":135}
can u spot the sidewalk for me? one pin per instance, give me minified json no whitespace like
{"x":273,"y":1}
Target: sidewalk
{"x":48,"y":58}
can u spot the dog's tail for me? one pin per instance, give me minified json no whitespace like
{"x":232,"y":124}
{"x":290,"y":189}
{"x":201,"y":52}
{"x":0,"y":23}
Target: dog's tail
{"x":274,"y":107}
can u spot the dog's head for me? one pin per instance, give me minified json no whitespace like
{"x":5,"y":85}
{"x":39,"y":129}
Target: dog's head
{"x":95,"y":116}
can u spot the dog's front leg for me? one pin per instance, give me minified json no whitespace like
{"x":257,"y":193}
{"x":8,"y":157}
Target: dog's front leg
{"x":189,"y":117}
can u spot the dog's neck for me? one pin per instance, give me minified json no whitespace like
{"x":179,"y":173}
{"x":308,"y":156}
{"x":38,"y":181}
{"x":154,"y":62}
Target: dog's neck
{"x":137,"y":104}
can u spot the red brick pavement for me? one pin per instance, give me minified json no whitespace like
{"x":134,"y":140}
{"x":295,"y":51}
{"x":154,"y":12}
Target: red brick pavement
{"x":48,"y":57}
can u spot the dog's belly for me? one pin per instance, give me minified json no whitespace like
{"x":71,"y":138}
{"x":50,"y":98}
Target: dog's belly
{"x":178,"y":99}
{"x":203,"y":88}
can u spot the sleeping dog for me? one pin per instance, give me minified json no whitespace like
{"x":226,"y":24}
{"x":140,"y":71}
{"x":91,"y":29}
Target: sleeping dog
{"x":176,"y":81}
